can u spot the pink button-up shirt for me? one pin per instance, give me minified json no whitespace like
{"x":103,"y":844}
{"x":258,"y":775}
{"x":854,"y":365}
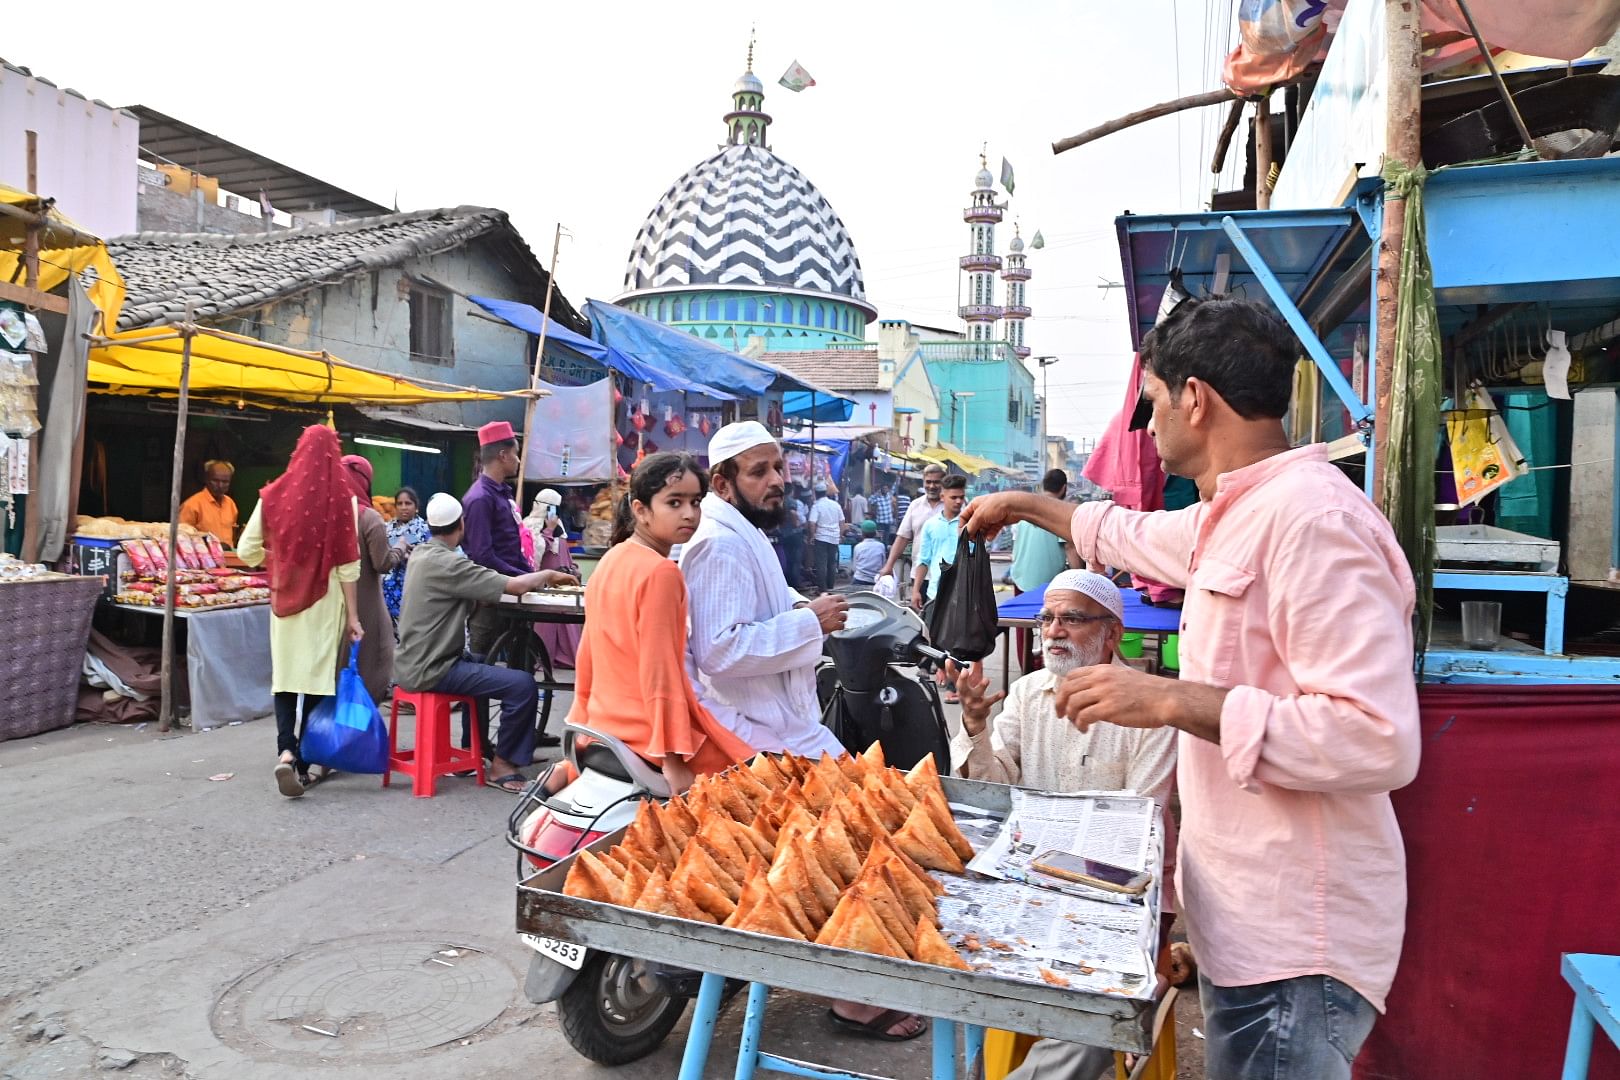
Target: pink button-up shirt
{"x":1300,"y":602}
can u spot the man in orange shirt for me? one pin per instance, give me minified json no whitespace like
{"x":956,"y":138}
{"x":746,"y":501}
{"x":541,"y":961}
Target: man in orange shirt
{"x":212,"y":510}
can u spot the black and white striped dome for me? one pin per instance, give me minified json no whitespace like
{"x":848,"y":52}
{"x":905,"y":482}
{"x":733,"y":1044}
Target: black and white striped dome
{"x":745,"y":218}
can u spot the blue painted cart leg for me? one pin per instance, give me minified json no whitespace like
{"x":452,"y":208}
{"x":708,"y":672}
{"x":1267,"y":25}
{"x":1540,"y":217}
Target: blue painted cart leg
{"x":1578,"y":1055}
{"x":696,"y":1057}
{"x":944,"y":1049}
{"x":753,"y":1021}
{"x":972,"y":1043}
{"x":1553,"y":643}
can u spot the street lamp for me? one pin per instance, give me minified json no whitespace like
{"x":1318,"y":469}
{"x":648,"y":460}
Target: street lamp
{"x":958,"y":395}
{"x":1046,"y":404}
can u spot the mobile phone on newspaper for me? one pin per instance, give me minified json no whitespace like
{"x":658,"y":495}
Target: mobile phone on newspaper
{"x":1093,"y":872}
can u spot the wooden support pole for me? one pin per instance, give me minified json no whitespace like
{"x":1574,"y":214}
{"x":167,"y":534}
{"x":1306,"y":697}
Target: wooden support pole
{"x":1233,"y":116}
{"x":1403,"y":43}
{"x":539,"y":358}
{"x":30,"y":537}
{"x":1262,"y":152}
{"x":176,"y":476}
{"x":1153,"y":112}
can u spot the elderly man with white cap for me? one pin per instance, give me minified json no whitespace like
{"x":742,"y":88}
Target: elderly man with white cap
{"x":1031,"y":745}
{"x":441,"y":587}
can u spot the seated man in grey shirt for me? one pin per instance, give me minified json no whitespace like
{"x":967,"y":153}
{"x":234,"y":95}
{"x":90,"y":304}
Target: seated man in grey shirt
{"x":441,"y":587}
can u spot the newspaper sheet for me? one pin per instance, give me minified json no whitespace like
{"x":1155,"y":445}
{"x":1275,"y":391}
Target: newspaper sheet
{"x":1096,"y":943}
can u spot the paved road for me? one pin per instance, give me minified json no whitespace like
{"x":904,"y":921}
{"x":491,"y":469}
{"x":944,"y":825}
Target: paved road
{"x":150,"y":913}
{"x":159,"y":923}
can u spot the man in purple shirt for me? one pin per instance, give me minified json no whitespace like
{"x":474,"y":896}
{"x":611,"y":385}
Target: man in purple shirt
{"x":491,"y":522}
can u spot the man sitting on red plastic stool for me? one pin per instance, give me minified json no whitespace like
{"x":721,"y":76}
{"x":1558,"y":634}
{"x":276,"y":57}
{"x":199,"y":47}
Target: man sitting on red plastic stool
{"x":441,"y":587}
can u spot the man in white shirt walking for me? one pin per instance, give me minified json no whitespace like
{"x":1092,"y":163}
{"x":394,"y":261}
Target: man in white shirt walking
{"x":827,"y":519}
{"x":857,"y":506}
{"x":918,"y":514}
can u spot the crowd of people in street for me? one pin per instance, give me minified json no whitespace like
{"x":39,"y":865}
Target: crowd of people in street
{"x":1293,"y":718}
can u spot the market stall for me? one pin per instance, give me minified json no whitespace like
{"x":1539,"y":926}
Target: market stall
{"x":941,"y":909}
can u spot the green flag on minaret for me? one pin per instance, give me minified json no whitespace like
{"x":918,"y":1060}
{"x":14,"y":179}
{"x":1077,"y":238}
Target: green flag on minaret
{"x":1007,"y":175}
{"x":1037,"y":243}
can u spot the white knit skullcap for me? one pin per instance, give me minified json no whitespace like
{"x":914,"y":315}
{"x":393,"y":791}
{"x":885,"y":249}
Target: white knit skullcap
{"x":443,"y":509}
{"x":1095,"y":586}
{"x":733,"y":439}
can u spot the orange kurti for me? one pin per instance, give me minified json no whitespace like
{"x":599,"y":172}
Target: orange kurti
{"x":630,"y":680}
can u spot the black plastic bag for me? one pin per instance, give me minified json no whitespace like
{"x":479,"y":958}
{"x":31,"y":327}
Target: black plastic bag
{"x":963,"y":618}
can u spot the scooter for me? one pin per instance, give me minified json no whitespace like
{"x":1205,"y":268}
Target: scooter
{"x":617,"y":1009}
{"x":614,"y":1009}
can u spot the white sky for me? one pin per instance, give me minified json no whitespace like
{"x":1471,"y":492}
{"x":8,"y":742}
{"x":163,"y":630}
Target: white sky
{"x":584,"y":114}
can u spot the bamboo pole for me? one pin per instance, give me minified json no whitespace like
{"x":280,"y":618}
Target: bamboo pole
{"x":1262,"y":152}
{"x":1153,"y":112}
{"x":1403,"y":47}
{"x":176,"y":475}
{"x":1229,"y":129}
{"x":30,"y":537}
{"x":534,"y":378}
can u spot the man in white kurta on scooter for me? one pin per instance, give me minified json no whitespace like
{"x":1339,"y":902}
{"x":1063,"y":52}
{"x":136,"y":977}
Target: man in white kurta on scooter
{"x":755,"y":642}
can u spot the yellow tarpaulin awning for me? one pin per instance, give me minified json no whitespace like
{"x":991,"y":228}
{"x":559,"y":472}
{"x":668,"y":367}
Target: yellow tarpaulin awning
{"x":228,"y":366}
{"x":971,"y":462}
{"x":64,"y":249}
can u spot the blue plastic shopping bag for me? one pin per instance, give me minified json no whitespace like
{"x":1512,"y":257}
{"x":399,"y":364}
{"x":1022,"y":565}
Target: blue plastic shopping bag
{"x":346,"y":732}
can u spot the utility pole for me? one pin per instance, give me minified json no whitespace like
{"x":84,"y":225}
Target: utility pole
{"x":1046,"y":407}
{"x":539,"y":359}
{"x":962,"y":395}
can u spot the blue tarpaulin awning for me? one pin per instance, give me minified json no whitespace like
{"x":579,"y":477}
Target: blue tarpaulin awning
{"x":647,"y":339}
{"x":527,"y":318}
{"x":811,"y":405}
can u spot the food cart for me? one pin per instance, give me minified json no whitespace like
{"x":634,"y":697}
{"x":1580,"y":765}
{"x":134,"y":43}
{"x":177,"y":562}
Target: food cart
{"x":971,"y":1000}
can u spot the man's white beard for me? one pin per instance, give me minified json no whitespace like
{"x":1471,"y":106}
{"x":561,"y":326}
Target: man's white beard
{"x":1075,"y":657}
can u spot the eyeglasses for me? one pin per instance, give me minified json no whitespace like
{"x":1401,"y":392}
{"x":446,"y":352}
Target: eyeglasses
{"x":1069,"y":620}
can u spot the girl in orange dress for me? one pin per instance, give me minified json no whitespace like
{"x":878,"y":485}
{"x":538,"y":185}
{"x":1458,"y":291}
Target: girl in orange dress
{"x":631,"y":679}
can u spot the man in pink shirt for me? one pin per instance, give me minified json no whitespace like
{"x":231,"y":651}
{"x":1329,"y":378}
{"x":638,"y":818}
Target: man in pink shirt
{"x":1297,"y":706}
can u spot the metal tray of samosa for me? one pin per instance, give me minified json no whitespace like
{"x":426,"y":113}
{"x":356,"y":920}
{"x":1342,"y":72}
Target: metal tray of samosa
{"x":972,"y":997}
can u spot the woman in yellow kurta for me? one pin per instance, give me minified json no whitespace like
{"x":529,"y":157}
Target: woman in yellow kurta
{"x":630,"y":679}
{"x":304,"y":531}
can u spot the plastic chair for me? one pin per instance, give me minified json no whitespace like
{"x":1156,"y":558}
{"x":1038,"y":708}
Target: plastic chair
{"x":1596,"y":981}
{"x":432,"y":756}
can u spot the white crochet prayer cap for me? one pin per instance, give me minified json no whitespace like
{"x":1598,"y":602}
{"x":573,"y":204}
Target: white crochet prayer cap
{"x":734,"y":439}
{"x":443,"y":509}
{"x":1095,"y":586}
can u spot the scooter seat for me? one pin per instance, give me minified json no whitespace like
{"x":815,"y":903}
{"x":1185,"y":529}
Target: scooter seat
{"x":599,"y":758}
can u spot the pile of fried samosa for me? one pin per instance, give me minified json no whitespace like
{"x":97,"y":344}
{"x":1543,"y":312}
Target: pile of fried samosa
{"x":835,"y":851}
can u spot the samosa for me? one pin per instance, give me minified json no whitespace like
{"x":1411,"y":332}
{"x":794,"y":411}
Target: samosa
{"x":861,"y":931}
{"x":768,"y":916}
{"x":930,"y":947}
{"x":919,"y":839}
{"x":589,"y":879}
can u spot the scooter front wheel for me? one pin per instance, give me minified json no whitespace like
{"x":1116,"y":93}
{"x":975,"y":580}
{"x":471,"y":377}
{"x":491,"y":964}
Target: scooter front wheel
{"x":614,"y":1012}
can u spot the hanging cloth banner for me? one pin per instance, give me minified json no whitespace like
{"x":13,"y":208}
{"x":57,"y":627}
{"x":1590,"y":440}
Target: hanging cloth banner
{"x":571,"y":438}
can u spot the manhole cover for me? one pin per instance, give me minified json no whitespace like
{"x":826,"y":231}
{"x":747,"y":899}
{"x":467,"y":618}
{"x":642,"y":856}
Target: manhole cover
{"x":368,"y":997}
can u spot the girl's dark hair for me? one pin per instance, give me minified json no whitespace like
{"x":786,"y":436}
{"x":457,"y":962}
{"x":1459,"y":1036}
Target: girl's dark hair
{"x":654,"y":474}
{"x":415,"y":498}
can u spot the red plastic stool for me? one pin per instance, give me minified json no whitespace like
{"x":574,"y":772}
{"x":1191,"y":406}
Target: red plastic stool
{"x":433,"y":756}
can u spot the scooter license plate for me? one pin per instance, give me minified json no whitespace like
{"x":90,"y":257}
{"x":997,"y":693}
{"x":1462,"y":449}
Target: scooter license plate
{"x":566,"y":953}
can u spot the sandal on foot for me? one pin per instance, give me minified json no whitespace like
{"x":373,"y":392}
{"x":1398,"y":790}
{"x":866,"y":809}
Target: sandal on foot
{"x":513,"y":783}
{"x":287,"y":780}
{"x":878,"y":1027}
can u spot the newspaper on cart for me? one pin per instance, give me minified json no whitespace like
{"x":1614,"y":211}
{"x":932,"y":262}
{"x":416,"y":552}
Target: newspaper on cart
{"x":1053,"y":930}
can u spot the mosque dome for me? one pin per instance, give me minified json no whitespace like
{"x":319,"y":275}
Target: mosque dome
{"x":1017,"y":244}
{"x":984,"y":181}
{"x":744,"y":219}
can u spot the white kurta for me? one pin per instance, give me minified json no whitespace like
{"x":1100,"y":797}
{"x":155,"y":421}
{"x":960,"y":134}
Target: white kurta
{"x":752,"y":652}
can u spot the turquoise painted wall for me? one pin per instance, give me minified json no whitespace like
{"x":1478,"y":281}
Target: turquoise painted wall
{"x":786,"y":322}
{"x":991,"y":431}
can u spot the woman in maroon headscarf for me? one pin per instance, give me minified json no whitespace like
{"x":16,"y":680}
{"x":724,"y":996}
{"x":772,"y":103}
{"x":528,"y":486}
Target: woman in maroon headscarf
{"x":377,"y":559}
{"x":303,"y":532}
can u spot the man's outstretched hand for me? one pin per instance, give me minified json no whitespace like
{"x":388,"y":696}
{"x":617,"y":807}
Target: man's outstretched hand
{"x":987,"y":515}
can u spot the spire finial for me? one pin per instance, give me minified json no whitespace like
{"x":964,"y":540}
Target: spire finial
{"x":984,"y":154}
{"x":751,"y":35}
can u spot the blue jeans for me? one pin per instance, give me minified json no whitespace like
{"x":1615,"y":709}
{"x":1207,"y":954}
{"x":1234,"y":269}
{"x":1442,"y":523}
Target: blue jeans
{"x":1307,"y":1028}
{"x":518,"y":696}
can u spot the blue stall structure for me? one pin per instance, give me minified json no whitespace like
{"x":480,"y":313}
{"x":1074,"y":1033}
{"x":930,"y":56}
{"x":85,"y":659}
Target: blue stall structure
{"x":1516,"y":249}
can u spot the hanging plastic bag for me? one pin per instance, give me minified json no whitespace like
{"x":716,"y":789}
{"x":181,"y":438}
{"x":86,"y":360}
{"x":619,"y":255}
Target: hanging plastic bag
{"x":886,"y":588}
{"x":962,"y":616}
{"x":346,"y":732}
{"x":1483,"y":454}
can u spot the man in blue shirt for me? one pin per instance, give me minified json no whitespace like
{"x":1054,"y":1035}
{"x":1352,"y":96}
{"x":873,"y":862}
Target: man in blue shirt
{"x":936,"y":544}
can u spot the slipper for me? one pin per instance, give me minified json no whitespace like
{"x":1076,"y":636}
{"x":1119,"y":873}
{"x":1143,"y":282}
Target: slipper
{"x":877,"y":1027}
{"x":287,"y":780}
{"x":547,"y":741}
{"x":505,"y":783}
